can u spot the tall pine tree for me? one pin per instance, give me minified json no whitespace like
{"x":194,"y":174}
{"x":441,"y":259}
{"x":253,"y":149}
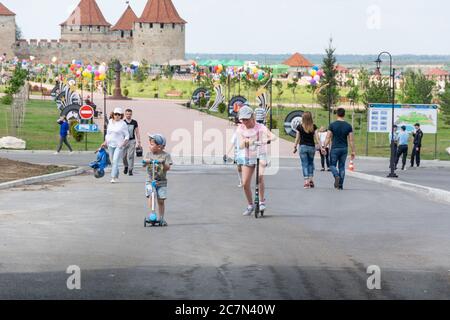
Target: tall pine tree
{"x":329,"y":93}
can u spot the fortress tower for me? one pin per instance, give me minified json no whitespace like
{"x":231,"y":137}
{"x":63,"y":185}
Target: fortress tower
{"x":158,"y":36}
{"x":7,"y":31}
{"x":124,"y":28}
{"x":86,"y":23}
{"x":159,"y":33}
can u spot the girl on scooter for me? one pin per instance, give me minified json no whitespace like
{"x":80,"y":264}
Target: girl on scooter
{"x":253,"y":139}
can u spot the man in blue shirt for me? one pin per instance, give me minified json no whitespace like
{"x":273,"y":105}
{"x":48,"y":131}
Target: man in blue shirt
{"x":341,"y":133}
{"x":403,"y":139}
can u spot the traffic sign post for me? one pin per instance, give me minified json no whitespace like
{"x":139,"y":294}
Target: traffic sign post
{"x":86,"y":115}
{"x":86,"y":112}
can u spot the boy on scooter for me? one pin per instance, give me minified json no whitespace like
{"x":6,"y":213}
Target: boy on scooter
{"x":163,"y":162}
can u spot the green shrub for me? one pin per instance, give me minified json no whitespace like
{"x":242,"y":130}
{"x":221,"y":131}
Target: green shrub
{"x":7,"y":100}
{"x":126,"y":92}
{"x":222,"y":107}
{"x":78,"y":136}
{"x":203,"y":102}
{"x":274,"y":124}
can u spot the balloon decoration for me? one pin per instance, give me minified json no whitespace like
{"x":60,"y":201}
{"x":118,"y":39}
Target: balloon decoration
{"x":87,"y":73}
{"x":316,"y":75}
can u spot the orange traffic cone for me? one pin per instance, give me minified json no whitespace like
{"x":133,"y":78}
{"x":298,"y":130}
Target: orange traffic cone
{"x":351,"y":166}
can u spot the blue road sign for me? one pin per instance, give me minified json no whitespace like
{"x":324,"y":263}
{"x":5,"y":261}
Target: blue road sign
{"x":88,"y":128}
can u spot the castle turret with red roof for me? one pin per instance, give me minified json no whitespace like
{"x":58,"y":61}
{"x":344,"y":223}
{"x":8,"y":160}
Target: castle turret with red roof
{"x":7,"y":31}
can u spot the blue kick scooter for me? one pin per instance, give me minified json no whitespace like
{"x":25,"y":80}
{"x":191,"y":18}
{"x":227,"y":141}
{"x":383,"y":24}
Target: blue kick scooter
{"x":152,"y":219}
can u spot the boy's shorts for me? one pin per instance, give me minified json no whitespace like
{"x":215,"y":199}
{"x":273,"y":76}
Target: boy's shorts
{"x":161,"y":192}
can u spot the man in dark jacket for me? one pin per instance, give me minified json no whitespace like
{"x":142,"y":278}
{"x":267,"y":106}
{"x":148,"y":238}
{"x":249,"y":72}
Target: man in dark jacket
{"x":417,"y":145}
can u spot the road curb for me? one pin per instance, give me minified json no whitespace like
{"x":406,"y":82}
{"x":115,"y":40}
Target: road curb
{"x":41,"y":179}
{"x":434,"y":194}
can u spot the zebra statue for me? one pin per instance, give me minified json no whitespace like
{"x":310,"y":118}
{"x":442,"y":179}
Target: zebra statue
{"x":67,"y":97}
{"x":220,"y":98}
{"x":262,"y":99}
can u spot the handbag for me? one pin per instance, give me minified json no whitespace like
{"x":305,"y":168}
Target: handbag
{"x":139,"y":152}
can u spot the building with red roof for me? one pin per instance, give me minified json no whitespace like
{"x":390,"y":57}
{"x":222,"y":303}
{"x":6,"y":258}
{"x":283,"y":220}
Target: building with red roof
{"x":438,"y":75}
{"x":298,"y":65}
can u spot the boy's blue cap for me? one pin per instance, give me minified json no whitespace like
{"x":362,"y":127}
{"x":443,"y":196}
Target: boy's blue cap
{"x":158,"y":138}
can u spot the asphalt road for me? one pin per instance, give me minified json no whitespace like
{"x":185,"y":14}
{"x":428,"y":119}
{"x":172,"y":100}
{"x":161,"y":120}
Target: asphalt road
{"x":313,"y":244}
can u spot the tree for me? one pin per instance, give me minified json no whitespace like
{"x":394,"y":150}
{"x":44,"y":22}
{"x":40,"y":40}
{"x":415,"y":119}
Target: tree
{"x":329,"y":96}
{"x":445,"y":104}
{"x":293,"y":86}
{"x":354,"y":94}
{"x":417,"y":88}
{"x":377,"y":92}
{"x":279,"y":86}
{"x":142,"y":71}
{"x":363,"y":78}
{"x":18,"y":33}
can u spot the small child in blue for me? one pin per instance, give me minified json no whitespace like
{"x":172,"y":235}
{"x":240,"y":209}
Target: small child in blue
{"x":163,"y":163}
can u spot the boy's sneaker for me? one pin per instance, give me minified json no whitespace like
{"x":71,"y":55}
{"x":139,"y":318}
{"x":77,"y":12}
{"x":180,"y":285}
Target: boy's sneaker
{"x":113,"y":180}
{"x":125,"y":171}
{"x":262,"y":206}
{"x":130,"y":173}
{"x":56,"y":153}
{"x":249,"y":210}
{"x":163,"y":223}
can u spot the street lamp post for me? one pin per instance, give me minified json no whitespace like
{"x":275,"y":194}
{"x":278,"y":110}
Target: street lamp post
{"x":392,"y":173}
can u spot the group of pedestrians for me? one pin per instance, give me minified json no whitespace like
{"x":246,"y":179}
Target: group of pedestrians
{"x":334,"y":143}
{"x":401,"y":141}
{"x":120,"y":140}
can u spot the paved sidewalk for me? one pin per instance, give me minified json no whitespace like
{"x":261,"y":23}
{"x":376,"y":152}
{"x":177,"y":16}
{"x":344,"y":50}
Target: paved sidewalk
{"x":434,"y":174}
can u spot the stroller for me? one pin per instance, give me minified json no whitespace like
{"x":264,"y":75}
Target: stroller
{"x":102,"y":162}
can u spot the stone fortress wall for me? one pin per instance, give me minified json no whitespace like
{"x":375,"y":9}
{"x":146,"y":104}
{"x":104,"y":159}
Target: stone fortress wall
{"x":158,"y":43}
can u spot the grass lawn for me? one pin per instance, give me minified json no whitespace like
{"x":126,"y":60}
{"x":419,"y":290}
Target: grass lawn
{"x":378,"y":143}
{"x":149,"y":88}
{"x":40,"y":130}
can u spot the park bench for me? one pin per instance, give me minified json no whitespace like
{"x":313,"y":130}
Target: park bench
{"x":174,"y":94}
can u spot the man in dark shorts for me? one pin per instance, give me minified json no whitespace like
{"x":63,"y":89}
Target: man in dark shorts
{"x":129,"y":151}
{"x":340,"y":133}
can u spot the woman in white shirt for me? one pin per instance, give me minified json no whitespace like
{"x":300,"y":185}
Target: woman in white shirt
{"x":117,"y":138}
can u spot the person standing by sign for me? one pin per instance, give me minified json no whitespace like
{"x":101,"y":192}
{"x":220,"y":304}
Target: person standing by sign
{"x":417,"y":145}
{"x":63,"y":133}
{"x":129,"y":152}
{"x":402,"y":139}
{"x":116,"y":139}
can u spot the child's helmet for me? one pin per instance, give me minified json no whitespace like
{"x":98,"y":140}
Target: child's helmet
{"x":99,"y":173}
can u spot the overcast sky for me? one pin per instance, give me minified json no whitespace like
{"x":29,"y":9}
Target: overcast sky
{"x":276,"y":26}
